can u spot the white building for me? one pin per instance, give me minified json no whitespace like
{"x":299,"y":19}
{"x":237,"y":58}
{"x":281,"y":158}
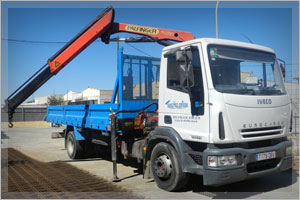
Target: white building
{"x":89,"y":94}
{"x":44,"y":99}
{"x":72,"y":96}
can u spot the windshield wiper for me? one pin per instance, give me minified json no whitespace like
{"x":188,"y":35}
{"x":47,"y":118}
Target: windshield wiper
{"x":270,"y":92}
{"x":239,"y":91}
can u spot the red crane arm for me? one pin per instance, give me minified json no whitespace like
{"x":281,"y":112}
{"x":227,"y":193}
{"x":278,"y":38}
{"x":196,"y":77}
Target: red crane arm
{"x":102,"y":26}
{"x":93,"y":31}
{"x":157,"y":33}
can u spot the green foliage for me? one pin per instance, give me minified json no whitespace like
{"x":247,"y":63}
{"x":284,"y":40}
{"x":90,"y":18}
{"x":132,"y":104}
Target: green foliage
{"x":54,"y":100}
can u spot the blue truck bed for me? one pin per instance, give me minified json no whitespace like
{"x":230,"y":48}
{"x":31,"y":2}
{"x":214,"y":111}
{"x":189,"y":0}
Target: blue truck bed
{"x":95,"y":116}
{"x":138,"y":78}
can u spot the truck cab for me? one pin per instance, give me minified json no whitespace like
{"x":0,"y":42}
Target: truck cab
{"x":226,"y":104}
{"x":235,"y":94}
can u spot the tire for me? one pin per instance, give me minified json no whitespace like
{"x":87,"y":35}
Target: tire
{"x":74,"y":147}
{"x":166,"y":169}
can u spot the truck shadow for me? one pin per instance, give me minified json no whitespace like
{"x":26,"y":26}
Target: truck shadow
{"x":129,"y":162}
{"x":245,"y":189}
{"x":106,"y":155}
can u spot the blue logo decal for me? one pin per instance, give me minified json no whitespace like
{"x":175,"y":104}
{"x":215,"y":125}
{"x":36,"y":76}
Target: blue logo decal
{"x":176,"y":105}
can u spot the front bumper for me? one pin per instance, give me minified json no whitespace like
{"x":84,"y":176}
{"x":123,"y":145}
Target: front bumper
{"x":248,"y":167}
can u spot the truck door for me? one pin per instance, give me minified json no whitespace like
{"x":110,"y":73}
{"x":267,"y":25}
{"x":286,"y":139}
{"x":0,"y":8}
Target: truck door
{"x":183,"y":96}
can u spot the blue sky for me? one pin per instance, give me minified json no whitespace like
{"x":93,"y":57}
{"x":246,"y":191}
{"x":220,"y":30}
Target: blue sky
{"x":266,"y":23}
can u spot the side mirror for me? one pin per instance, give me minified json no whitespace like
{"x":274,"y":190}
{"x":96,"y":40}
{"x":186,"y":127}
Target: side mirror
{"x":282,"y":70}
{"x":186,"y":69}
{"x":180,"y":56}
{"x":282,"y":66}
{"x":190,"y":75}
{"x":183,"y":76}
{"x":189,"y":66}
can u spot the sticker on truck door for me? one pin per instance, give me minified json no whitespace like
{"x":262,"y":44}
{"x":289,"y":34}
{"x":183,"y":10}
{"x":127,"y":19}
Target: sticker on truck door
{"x":176,"y":105}
{"x":186,"y":119}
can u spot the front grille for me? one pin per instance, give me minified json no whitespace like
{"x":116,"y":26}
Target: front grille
{"x":261,"y":134}
{"x":258,"y":132}
{"x":261,"y":129}
{"x":197,"y":158}
{"x":262,"y":165}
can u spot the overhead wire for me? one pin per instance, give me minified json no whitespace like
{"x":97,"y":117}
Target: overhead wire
{"x":49,"y":42}
{"x":34,"y":42}
{"x":138,"y":50}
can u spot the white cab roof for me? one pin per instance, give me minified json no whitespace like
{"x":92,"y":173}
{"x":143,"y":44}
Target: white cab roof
{"x":221,"y":42}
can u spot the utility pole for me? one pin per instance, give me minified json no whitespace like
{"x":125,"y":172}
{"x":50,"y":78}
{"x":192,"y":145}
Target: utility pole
{"x":217,"y":19}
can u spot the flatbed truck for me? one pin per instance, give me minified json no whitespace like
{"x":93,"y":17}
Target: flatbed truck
{"x":211,"y":107}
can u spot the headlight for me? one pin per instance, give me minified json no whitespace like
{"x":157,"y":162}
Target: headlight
{"x":288,"y":151}
{"x":218,"y":161}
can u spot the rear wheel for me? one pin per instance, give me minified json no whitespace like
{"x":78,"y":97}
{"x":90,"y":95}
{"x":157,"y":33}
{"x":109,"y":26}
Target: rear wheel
{"x":166,"y":169}
{"x":74,"y":148}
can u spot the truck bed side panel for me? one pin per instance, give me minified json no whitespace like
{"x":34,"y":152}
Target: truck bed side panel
{"x":74,"y":115}
{"x":55,"y":114}
{"x":98,"y":116}
{"x":83,"y":116}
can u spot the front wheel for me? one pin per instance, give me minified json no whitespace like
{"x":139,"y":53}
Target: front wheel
{"x":166,"y":169}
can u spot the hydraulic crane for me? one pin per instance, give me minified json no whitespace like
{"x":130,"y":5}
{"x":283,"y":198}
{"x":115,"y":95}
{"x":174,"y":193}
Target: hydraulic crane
{"x":103,"y":26}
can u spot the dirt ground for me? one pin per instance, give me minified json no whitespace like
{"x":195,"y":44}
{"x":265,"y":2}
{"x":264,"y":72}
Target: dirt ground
{"x":29,"y":178}
{"x":36,"y":143}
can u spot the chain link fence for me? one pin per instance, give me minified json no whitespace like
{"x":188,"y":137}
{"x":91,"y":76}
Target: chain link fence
{"x":292,"y":87}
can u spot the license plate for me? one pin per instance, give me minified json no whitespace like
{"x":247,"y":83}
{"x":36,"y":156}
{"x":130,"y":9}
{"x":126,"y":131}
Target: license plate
{"x":265,"y":155}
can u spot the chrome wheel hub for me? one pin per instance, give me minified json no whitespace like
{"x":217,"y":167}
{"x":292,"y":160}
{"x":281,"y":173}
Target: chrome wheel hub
{"x":163,"y":166}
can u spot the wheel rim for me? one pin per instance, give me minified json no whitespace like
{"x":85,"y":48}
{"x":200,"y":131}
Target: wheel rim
{"x":70,"y":146}
{"x":163,"y":166}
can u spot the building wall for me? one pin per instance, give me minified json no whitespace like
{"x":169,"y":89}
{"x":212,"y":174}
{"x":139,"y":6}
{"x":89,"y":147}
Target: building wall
{"x":44,"y":99}
{"x":105,"y":96}
{"x":27,"y":113}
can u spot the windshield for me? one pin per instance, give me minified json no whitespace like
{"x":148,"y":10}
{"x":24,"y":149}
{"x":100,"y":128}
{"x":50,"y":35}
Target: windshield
{"x":244,"y":71}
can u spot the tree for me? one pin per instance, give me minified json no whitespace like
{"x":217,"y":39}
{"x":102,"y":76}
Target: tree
{"x":54,"y":100}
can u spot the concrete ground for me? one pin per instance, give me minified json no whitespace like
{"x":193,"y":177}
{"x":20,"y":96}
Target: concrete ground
{"x":28,"y":124}
{"x":37,"y":143}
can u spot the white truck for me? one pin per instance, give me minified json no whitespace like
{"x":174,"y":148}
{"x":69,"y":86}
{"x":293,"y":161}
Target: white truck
{"x":223,"y":111}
